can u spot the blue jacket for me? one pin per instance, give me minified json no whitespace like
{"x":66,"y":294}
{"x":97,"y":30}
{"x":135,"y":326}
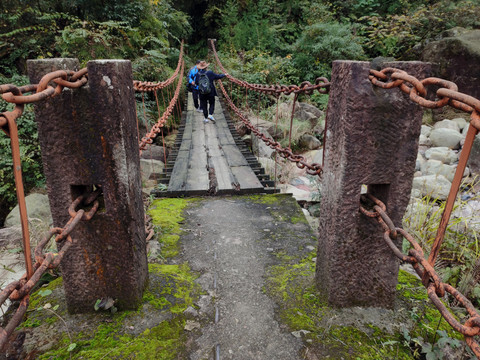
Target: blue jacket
{"x":211,"y":76}
{"x":191,"y":76}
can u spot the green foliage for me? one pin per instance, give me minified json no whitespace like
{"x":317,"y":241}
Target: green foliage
{"x":398,"y":33}
{"x":29,"y":153}
{"x":322,"y":43}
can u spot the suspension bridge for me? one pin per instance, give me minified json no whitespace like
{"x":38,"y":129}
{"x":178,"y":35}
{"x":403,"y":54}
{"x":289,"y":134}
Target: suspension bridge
{"x":100,"y":172}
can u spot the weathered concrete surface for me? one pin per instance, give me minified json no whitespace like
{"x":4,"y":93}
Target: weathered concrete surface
{"x":88,"y":137}
{"x":232,"y":242}
{"x":371,"y":139}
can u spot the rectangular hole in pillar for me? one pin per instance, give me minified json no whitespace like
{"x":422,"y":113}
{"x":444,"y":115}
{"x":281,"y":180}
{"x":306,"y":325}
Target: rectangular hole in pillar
{"x":380,"y":191}
{"x":78,"y":190}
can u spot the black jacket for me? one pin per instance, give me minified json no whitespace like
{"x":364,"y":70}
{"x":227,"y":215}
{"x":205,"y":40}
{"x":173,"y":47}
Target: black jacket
{"x":211,"y":76}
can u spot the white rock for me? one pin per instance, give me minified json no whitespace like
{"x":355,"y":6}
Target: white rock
{"x":446,"y":137}
{"x":298,"y":194}
{"x":38,"y":207}
{"x":420,"y":161}
{"x":435,"y":186}
{"x":461,"y":122}
{"x":424,"y":141}
{"x":426,"y":130}
{"x":444,"y":154}
{"x":446,"y":124}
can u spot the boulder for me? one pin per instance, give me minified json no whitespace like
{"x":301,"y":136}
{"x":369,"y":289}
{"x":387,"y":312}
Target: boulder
{"x":38,"y":207}
{"x":426,"y":130}
{"x":437,"y":187}
{"x":301,"y":106}
{"x":149,"y":168}
{"x":456,"y":57}
{"x":446,"y":137}
{"x":260,"y":148}
{"x":309,"y":142}
{"x":447,"y":124}
{"x":154,"y":152}
{"x":461,"y":122}
{"x":443,"y":154}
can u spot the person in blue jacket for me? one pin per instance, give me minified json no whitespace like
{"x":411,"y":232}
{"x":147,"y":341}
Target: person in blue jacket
{"x":207,"y":91}
{"x":191,"y":77}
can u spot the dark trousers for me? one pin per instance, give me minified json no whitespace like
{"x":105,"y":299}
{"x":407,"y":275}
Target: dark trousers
{"x":203,"y":104}
{"x":195,"y":95}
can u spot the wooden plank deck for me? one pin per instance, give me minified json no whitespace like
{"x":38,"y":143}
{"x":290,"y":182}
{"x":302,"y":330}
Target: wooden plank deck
{"x":208,"y":160}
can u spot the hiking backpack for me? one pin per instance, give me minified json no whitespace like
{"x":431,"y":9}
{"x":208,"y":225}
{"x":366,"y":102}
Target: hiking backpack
{"x":204,"y":84}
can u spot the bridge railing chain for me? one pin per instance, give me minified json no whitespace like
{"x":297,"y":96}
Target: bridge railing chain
{"x":20,"y":290}
{"x":322,"y":85}
{"x":446,"y":94}
{"x":145,"y":86}
{"x":286,"y":153}
{"x":148,"y":138}
{"x":436,"y":289}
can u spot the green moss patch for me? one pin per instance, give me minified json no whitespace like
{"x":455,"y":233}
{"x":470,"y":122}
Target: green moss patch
{"x":334,"y":333}
{"x":166,"y":217}
{"x":102,"y":335}
{"x":172,"y":287}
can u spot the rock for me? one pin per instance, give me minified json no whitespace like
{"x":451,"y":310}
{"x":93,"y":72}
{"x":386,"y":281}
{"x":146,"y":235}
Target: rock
{"x":301,"y":106}
{"x":446,"y":137}
{"x":457,"y":56}
{"x":443,"y":154}
{"x":300,"y":333}
{"x":247,"y":139}
{"x":318,"y":157}
{"x":260,"y":148}
{"x":436,"y":167}
{"x":310,"y":142}
{"x":424,"y":141}
{"x":446,"y":124}
{"x":298,"y":194}
{"x":426,"y":130}
{"x":266,"y":126}
{"x":38,"y":207}
{"x":154,"y":152}
{"x":11,"y":236}
{"x":192,"y":325}
{"x":420,"y":162}
{"x":461,"y":122}
{"x":149,"y":168}
{"x":435,"y":186}
{"x":314,"y":210}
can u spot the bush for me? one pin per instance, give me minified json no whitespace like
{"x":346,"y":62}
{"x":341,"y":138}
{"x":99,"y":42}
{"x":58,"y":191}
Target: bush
{"x":320,"y":44}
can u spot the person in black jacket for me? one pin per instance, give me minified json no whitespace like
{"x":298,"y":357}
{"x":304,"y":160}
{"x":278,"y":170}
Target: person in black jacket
{"x":207,"y":91}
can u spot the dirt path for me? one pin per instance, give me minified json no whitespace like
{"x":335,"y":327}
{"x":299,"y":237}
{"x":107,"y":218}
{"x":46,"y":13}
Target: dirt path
{"x":232,"y":242}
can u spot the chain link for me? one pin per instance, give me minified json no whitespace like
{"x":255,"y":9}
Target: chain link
{"x":144,"y":86}
{"x":286,"y":153}
{"x":322,"y":85}
{"x":20,"y":290}
{"x":436,"y":289}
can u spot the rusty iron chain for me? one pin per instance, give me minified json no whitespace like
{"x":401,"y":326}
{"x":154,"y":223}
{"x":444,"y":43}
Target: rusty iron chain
{"x":144,"y":86}
{"x":157,"y":128}
{"x":436,"y":289}
{"x":286,"y":153}
{"x":322,"y":85}
{"x":446,"y":93}
{"x":20,"y":290}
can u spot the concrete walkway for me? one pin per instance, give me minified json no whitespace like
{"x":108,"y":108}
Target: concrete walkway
{"x":232,"y":242}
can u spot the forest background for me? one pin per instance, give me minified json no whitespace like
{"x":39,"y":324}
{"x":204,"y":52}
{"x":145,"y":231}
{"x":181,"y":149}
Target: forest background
{"x":265,"y":41}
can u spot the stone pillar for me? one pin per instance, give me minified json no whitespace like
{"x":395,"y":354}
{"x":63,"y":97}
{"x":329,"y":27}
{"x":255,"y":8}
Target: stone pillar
{"x":88,"y":138}
{"x":371,"y":139}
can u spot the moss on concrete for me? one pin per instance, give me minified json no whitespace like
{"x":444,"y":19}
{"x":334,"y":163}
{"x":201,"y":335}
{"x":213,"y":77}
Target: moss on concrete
{"x":166,"y":218}
{"x":326,"y":334}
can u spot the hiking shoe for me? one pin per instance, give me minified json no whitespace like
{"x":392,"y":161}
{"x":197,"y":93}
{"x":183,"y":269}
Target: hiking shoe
{"x":205,"y":120}
{"x":211,"y":118}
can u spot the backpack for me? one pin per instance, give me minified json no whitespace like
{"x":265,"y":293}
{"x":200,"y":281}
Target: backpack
{"x":204,"y":84}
